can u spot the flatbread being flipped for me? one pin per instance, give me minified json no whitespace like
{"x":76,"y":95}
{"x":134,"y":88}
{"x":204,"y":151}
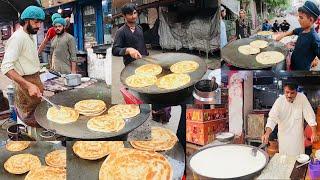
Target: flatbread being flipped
{"x":149,"y":69}
{"x":124,"y":110}
{"x":92,"y":150}
{"x":17,"y":145}
{"x":106,"y":123}
{"x":47,"y":173}
{"x":270,"y":57}
{"x":22,"y":163}
{"x":135,"y":164}
{"x":57,"y":158}
{"x":259,"y":44}
{"x":184,"y":67}
{"x":90,"y":107}
{"x":173,"y":81}
{"x":247,"y":50}
{"x":63,"y":116}
{"x":141,"y":80}
{"x":162,"y":139}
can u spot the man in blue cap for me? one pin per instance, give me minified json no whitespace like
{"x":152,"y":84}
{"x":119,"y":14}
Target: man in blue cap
{"x":63,"y":49}
{"x":307,"y":46}
{"x":51,"y":33}
{"x":21,"y":64}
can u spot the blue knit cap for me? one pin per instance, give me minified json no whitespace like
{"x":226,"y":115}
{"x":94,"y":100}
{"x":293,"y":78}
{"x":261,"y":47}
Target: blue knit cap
{"x":55,"y":16}
{"x":59,"y":21}
{"x":33,"y":12}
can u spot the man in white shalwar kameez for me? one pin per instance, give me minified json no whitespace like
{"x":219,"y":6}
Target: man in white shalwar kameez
{"x":289,"y":112}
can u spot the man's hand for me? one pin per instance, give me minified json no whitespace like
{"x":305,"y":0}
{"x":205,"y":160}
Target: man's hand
{"x":278,"y":37}
{"x":133,"y":53}
{"x":315,"y":62}
{"x":33,"y":90}
{"x":315,"y":137}
{"x":265,"y":138}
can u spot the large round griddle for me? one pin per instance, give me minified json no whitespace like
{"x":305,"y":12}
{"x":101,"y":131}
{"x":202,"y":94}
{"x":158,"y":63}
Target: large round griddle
{"x":81,"y":169}
{"x":245,"y":176}
{"x":37,"y":148}
{"x":165,"y":60}
{"x":79,"y":128}
{"x":232,"y":56}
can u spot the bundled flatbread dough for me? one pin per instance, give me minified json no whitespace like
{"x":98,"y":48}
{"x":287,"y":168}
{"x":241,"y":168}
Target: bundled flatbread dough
{"x":173,"y":81}
{"x":149,"y":69}
{"x":247,"y":50}
{"x":47,"y":173}
{"x":57,"y":158}
{"x":259,"y":44}
{"x":17,"y":145}
{"x":22,"y":163}
{"x":162,"y":139}
{"x":270,"y":57}
{"x":92,"y":150}
{"x":184,"y":67}
{"x":135,"y":164}
{"x":106,"y":123}
{"x":63,"y":116}
{"x":90,"y":107}
{"x":124,"y":110}
{"x":139,"y":80}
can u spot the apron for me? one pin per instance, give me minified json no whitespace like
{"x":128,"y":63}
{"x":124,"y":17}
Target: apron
{"x":26,"y":104}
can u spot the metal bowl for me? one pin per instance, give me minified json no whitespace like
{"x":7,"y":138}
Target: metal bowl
{"x":73,"y":79}
{"x":225,"y":136}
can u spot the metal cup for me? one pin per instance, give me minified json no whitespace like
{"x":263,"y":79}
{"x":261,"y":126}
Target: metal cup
{"x":15,"y":131}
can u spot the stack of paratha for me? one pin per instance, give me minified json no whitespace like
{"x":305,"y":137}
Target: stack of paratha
{"x":47,"y":173}
{"x":57,"y":158}
{"x":92,"y":150}
{"x":124,"y":110}
{"x":135,"y":164}
{"x":17,"y":145}
{"x":22,"y":163}
{"x":90,"y":107}
{"x":63,"y":115}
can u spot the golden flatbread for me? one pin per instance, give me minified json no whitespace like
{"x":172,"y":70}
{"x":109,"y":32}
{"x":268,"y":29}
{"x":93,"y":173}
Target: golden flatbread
{"x":57,"y":158}
{"x":270,"y":57}
{"x":22,"y":163}
{"x":63,"y":116}
{"x":17,"y":145}
{"x":162,"y":139}
{"x":247,"y":50}
{"x":47,"y":173}
{"x":259,"y":44}
{"x":173,"y":81}
{"x":265,"y":33}
{"x":106,"y":123}
{"x":90,"y":107}
{"x":92,"y":150}
{"x":135,"y":164}
{"x":149,"y":69}
{"x":139,"y":80}
{"x":124,"y":110}
{"x":184,"y":67}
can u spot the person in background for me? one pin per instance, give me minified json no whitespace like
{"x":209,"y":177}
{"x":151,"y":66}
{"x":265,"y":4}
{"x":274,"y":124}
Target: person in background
{"x":242,"y":26}
{"x":266,"y":26}
{"x":284,"y":26}
{"x":51,"y":33}
{"x":276,"y":27}
{"x":63,"y":49}
{"x":223,"y":29}
{"x":22,"y":65}
{"x":129,"y":41}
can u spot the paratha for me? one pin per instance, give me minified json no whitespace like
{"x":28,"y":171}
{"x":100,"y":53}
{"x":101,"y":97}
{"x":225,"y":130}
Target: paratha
{"x":57,"y":158}
{"x":270,"y":57}
{"x":135,"y":165}
{"x":259,"y":44}
{"x":162,"y":139}
{"x":173,"y":81}
{"x":124,"y":110}
{"x":184,"y":67}
{"x":90,"y":107}
{"x":22,"y":163}
{"x":149,"y":69}
{"x":47,"y":173}
{"x":17,"y":145}
{"x":265,"y":33}
{"x":139,"y":80}
{"x":92,"y":150}
{"x":63,"y":116}
{"x":247,"y":50}
{"x":106,"y":123}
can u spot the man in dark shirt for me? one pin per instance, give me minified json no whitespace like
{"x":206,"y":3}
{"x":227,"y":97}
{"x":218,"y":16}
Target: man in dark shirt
{"x":129,"y":40}
{"x":275,"y":27}
{"x":285,"y":26}
{"x":307,"y":46}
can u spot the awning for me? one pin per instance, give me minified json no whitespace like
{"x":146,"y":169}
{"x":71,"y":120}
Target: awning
{"x":233,"y":5}
{"x":9,"y":9}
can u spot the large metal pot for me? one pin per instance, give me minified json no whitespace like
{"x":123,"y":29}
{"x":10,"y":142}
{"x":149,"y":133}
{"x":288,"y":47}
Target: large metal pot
{"x":73,"y":79}
{"x":205,"y":91}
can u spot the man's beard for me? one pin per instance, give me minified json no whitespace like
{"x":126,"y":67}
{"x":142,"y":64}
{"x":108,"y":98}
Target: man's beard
{"x":32,"y":30}
{"x":61,"y":32}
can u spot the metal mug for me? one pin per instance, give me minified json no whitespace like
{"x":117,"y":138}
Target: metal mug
{"x":15,"y":131}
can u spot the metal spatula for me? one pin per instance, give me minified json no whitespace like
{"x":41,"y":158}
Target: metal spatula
{"x":255,"y":150}
{"x":155,"y":61}
{"x":54,"y":105}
